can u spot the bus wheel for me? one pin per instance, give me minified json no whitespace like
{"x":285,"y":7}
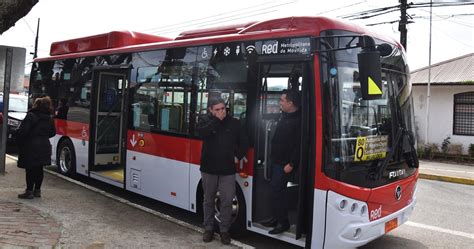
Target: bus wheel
{"x":66,"y":158}
{"x":239,"y":213}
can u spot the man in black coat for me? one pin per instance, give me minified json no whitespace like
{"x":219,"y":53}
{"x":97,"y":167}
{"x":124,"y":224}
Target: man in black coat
{"x":34,"y":148}
{"x":224,"y":143}
{"x":284,"y":157}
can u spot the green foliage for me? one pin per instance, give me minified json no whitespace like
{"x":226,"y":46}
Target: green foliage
{"x":445,"y":144}
{"x":420,"y":151}
{"x":471,"y":150}
{"x":430,"y":150}
{"x":455,"y":149}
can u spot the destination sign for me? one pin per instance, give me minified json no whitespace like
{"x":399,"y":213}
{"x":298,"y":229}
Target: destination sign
{"x":300,"y":46}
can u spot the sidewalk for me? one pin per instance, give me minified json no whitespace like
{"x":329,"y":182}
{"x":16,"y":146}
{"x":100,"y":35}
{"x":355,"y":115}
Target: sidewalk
{"x":456,"y":173}
{"x":71,"y":216}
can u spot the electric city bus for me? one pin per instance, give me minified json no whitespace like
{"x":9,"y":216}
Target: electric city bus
{"x":127,"y":105}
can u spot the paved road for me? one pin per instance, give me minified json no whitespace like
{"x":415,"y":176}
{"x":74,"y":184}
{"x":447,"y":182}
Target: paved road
{"x":443,"y":218}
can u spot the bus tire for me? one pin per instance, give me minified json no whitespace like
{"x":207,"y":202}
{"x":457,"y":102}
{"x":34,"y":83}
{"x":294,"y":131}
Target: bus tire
{"x":66,"y":158}
{"x":239,"y":226}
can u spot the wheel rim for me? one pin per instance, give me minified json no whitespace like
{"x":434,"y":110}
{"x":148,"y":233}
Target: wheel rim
{"x":65,"y":159}
{"x":217,"y":208}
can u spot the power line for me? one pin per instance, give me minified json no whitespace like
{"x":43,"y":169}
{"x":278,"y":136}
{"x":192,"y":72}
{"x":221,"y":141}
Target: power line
{"x":204,"y":18}
{"x":236,"y":16}
{"x":343,"y":7}
{"x":212,"y":19}
{"x":240,"y":17}
{"x":446,"y":18}
{"x":365,"y":12}
{"x":380,"y":23}
{"x":28,"y":25}
{"x":385,"y":10}
{"x":453,"y":38}
{"x":207,"y":24}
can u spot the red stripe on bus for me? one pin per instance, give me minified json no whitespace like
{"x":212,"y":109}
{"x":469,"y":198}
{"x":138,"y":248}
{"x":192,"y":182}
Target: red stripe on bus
{"x":176,"y":148}
{"x":72,"y":129}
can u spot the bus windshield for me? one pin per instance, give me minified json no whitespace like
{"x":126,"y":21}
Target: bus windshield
{"x":363,"y":134}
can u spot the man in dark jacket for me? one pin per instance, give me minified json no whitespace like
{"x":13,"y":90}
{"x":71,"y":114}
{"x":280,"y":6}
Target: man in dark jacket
{"x":284,"y":158}
{"x":224,"y":143}
{"x":34,"y":148}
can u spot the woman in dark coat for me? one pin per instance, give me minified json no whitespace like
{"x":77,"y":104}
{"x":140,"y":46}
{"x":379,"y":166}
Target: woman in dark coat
{"x":34,"y":148}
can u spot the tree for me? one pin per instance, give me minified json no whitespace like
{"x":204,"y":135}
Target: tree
{"x":12,"y":10}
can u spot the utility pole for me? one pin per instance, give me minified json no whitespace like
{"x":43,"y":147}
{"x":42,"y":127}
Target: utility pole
{"x":35,"y":54}
{"x":427,"y":137}
{"x":402,"y":25}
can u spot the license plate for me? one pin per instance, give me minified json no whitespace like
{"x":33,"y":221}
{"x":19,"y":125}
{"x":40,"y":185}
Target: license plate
{"x":391,"y":224}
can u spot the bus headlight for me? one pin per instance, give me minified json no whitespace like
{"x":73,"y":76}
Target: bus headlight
{"x":353,"y":207}
{"x":362,"y":210}
{"x":342,"y":204}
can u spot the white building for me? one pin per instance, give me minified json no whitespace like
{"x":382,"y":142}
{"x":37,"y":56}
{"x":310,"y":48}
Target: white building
{"x":451,"y":110}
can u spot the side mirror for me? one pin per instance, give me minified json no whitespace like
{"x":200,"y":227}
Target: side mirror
{"x":370,"y":74}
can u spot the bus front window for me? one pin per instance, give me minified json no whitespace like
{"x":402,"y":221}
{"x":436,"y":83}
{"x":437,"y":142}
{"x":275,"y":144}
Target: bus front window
{"x":364,"y":139}
{"x":360,"y":121}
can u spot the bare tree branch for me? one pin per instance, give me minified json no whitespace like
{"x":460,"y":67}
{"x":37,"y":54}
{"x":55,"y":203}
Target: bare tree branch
{"x":13,"y":10}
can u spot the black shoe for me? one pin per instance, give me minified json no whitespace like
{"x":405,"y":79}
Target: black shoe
{"x":270,"y":223}
{"x":26,"y":195}
{"x":225,"y":238}
{"x":207,"y":236}
{"x":37,"y":193}
{"x":279,"y":229}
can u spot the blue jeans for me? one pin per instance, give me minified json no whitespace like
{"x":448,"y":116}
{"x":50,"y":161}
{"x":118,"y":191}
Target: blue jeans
{"x":279,"y":194}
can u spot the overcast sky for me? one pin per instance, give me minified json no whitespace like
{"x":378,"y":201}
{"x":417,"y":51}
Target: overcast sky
{"x":453,"y":32}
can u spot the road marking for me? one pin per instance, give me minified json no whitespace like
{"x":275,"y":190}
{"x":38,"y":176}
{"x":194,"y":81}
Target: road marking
{"x":450,"y":170}
{"x":440,"y":229}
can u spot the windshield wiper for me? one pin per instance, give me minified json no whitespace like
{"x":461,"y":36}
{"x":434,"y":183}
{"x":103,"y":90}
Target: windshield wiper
{"x":415,"y":163}
{"x":398,"y":145}
{"x":398,"y":142}
{"x":379,"y":171}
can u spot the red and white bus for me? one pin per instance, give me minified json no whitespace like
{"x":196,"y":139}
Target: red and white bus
{"x":127,"y":104}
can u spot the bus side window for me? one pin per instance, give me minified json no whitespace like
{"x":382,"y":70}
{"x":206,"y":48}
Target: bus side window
{"x":171,"y":117}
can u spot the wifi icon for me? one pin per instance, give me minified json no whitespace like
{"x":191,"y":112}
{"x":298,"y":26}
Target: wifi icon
{"x":250,"y":49}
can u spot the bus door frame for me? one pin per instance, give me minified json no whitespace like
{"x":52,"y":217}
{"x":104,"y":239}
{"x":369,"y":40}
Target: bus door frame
{"x":125,"y":71}
{"x":306,"y":173}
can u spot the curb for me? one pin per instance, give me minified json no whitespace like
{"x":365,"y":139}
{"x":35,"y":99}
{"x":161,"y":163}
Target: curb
{"x":447,"y":179}
{"x":144,"y":209}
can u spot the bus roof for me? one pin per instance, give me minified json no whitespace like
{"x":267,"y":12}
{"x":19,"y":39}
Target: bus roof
{"x":114,"y":39}
{"x":126,"y":41}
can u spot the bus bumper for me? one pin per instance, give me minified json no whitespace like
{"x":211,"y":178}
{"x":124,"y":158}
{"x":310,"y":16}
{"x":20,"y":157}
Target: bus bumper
{"x":348,"y":225}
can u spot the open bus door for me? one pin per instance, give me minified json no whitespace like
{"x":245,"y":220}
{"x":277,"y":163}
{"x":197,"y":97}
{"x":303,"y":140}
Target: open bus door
{"x":107,"y":147}
{"x":273,"y":79}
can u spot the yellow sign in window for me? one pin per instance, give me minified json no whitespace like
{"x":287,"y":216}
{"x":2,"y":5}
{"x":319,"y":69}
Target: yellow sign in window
{"x":371,"y":148}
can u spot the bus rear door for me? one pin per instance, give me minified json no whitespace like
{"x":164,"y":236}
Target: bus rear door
{"x":106,"y":151}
